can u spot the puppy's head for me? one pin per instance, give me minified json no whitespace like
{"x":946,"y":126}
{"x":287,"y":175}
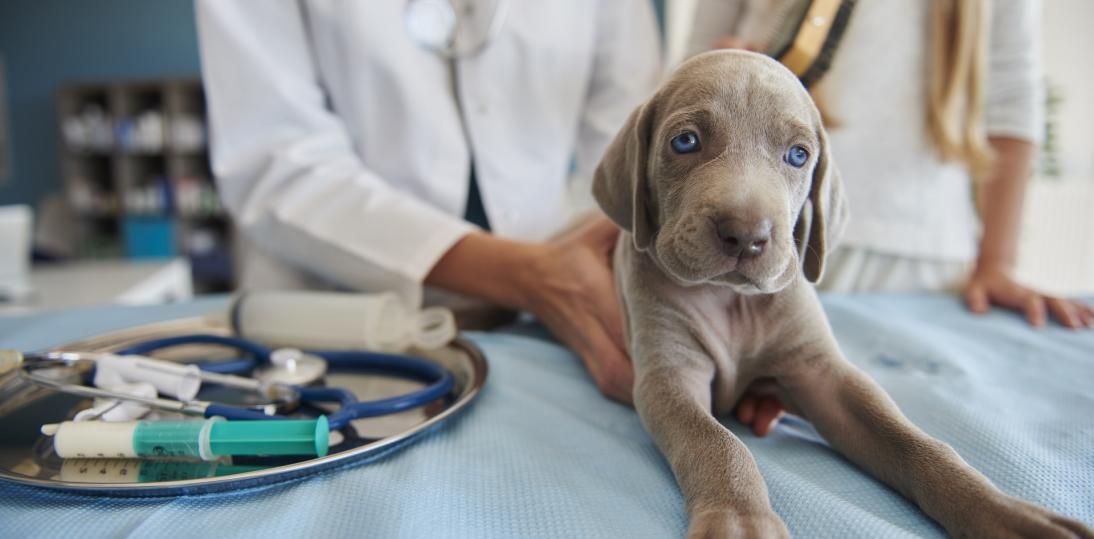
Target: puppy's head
{"x":724,"y":176}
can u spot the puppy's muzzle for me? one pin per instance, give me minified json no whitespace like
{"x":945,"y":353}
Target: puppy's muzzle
{"x":743,"y":239}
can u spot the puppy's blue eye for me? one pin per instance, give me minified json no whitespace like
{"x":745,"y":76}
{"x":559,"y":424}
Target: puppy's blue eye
{"x":686,"y":142}
{"x":797,"y":156}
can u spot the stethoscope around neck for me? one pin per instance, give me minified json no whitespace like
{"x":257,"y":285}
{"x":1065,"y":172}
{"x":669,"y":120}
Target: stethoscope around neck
{"x":455,"y":29}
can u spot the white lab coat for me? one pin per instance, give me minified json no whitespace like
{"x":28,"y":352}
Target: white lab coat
{"x":337,"y":145}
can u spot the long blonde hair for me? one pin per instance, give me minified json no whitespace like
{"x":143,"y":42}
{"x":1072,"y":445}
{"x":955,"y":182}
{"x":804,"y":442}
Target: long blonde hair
{"x":960,"y":33}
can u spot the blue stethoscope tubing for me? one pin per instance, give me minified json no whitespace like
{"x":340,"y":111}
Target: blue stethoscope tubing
{"x":440,"y":380}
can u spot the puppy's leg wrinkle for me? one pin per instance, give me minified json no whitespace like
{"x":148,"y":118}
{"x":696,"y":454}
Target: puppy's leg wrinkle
{"x":722,"y":486}
{"x":860,"y":421}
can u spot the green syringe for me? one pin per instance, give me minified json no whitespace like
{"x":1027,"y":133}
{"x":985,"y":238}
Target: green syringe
{"x":120,"y":471}
{"x":208,"y":440}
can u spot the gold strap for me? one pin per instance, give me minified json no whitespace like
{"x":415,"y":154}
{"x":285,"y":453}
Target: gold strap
{"x":812,"y":34}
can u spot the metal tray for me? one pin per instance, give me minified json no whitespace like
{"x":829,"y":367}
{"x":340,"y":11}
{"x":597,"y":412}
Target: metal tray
{"x":26,"y":456}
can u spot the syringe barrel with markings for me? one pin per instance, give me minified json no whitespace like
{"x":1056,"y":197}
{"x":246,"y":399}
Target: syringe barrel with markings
{"x":205,"y":440}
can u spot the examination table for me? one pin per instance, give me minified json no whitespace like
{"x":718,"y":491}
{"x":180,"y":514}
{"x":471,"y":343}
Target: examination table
{"x":542,"y":454}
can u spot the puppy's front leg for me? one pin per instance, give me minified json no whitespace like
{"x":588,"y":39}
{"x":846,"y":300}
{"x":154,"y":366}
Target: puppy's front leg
{"x":723,"y":489}
{"x":860,"y":421}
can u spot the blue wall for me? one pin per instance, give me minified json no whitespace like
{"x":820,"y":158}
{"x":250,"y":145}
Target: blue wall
{"x":46,"y":43}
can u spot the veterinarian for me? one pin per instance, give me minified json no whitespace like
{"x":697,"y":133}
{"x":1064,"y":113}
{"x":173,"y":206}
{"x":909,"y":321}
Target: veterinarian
{"x":352,"y":156}
{"x":921,"y":99}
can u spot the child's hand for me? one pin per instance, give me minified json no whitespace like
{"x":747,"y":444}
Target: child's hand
{"x":994,"y":286}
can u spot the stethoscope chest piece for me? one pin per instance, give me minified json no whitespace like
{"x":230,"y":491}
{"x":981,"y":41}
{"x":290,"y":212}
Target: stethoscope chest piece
{"x":454,"y":28}
{"x":291,"y":366}
{"x":431,"y":23}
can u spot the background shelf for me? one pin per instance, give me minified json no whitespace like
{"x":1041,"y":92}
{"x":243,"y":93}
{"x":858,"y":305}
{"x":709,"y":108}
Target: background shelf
{"x":135,"y":162}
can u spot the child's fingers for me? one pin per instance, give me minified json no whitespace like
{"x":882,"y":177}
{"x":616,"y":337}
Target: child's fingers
{"x":1065,"y":312}
{"x":1086,"y":313}
{"x":1035,"y":310}
{"x":976,"y":297}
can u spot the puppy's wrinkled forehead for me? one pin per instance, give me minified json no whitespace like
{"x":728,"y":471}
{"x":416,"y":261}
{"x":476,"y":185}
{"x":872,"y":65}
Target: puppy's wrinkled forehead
{"x":736,"y":83}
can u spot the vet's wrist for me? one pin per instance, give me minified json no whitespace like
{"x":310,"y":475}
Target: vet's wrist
{"x":506,"y":273}
{"x":524,"y":277}
{"x":487,"y":267}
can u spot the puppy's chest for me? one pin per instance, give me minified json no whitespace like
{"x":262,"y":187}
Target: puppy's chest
{"x":742,"y":330}
{"x":731,"y":328}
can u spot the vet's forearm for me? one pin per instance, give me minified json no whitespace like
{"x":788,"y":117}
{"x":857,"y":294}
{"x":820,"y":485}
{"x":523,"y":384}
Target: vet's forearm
{"x":485,"y":266}
{"x":1000,"y":197}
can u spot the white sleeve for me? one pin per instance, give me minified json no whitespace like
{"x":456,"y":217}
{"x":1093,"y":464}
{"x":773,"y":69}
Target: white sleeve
{"x":714,"y":19}
{"x":626,"y":70}
{"x":1014,"y":100}
{"x":285,"y":164}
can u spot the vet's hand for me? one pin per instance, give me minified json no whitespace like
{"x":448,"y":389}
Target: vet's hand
{"x":570,"y":288}
{"x":994,"y":286}
{"x":761,"y":412}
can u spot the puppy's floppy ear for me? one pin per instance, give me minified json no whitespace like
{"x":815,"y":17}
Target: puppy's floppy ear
{"x":621,"y":185}
{"x":823,"y":216}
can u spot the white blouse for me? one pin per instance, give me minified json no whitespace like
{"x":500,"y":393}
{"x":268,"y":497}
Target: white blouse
{"x":903,"y":199}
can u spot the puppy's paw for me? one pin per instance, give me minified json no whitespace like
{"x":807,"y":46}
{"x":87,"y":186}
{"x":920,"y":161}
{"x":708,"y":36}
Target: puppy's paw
{"x":1011,"y":517}
{"x":725,"y":524}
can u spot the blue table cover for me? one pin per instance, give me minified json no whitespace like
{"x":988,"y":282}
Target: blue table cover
{"x":542,"y":454}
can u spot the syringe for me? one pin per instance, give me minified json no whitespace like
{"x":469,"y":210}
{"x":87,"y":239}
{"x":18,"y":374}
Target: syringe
{"x":207,"y":440}
{"x":117,"y":471}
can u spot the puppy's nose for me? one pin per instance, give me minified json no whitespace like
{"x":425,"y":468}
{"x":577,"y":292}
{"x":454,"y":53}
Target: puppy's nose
{"x":744,"y":240}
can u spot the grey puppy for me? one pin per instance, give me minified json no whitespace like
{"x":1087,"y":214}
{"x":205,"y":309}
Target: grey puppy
{"x":729,"y":199}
